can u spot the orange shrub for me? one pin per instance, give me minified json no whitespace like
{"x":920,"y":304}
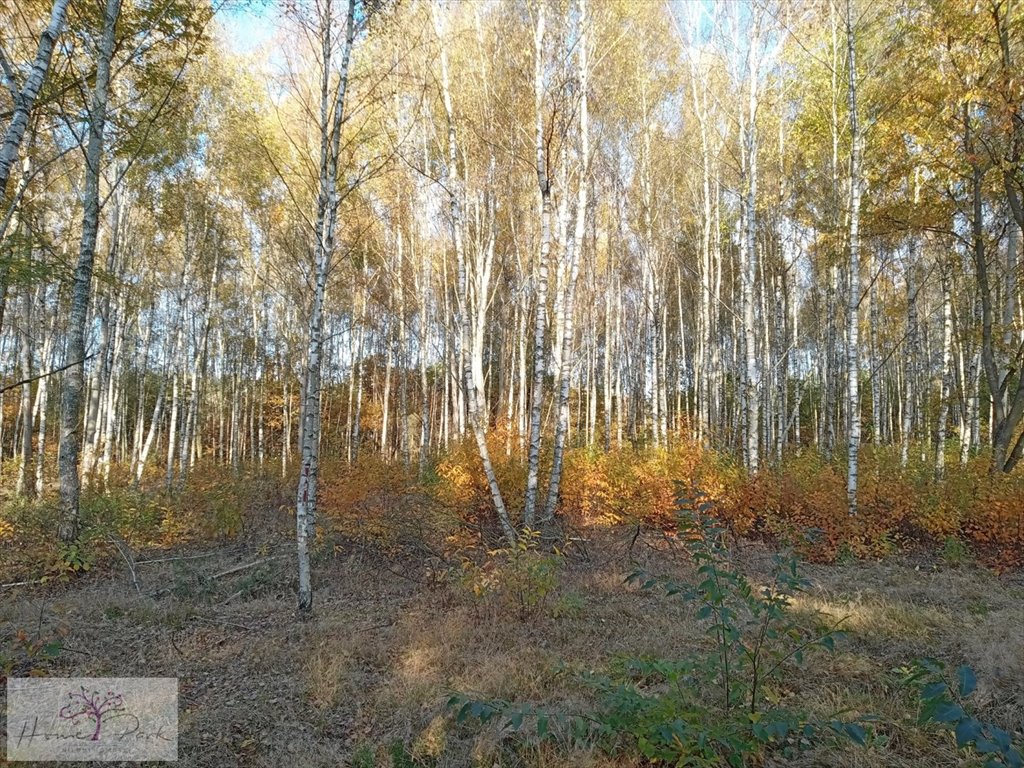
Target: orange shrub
{"x":801,"y":502}
{"x":995,"y":524}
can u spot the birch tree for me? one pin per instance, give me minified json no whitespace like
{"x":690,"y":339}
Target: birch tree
{"x":573,"y":248}
{"x":333,"y":90}
{"x":25,"y":95}
{"x":81,"y":290}
{"x":853,"y":308}
{"x":542,"y":140}
{"x":470,"y":342}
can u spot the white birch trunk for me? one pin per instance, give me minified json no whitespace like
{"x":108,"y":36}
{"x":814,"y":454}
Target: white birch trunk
{"x":541,"y":294}
{"x":853,"y":307}
{"x":573,"y":251}
{"x":42,"y":399}
{"x":26,"y":97}
{"x":23,"y":487}
{"x":71,"y":396}
{"x":327,"y":209}
{"x":472,"y":373}
{"x":945,"y":377}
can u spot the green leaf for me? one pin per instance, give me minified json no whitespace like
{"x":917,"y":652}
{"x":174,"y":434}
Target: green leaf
{"x":856,"y":733}
{"x":53,"y":649}
{"x":1001,"y":737}
{"x":968,"y":681}
{"x":967,"y":730}
{"x":986,"y":746}
{"x":948,"y":712}
{"x":933,"y":690}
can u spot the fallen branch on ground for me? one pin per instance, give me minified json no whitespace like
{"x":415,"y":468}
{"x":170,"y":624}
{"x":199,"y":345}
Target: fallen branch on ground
{"x":21,"y":583}
{"x":181,"y":557}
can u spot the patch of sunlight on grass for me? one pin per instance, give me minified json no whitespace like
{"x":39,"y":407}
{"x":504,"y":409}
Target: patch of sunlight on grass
{"x":879,"y":618}
{"x":419,"y":664}
{"x":433,"y":740}
{"x":328,"y":674}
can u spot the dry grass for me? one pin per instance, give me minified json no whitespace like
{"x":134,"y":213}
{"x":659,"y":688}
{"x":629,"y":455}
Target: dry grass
{"x":388,"y":645}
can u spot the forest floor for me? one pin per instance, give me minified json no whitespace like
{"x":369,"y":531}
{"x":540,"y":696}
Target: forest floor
{"x":366,"y":680}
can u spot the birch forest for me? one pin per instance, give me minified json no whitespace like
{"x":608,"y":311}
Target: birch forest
{"x":453,"y":314}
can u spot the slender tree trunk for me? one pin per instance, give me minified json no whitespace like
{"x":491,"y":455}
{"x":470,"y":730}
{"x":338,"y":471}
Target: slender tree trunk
{"x":539,"y":361}
{"x":748,"y":266}
{"x":944,"y":377}
{"x":471,"y":378}
{"x":113,"y":394}
{"x":42,"y":398}
{"x":23,"y":486}
{"x":853,"y":308}
{"x":423,"y":344}
{"x":910,"y":366}
{"x":573,"y":251}
{"x":327,"y":210}
{"x":403,"y":365}
{"x":609,"y":353}
{"x":877,"y":435}
{"x":172,"y":429}
{"x":386,"y":394}
{"x":71,"y":397}
{"x":26,"y":97}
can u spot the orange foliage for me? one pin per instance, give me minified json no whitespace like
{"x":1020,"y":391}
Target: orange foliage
{"x":801,"y":503}
{"x":995,"y":524}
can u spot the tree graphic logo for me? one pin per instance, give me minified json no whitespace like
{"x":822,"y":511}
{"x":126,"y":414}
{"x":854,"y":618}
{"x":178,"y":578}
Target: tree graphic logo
{"x":92,"y":705}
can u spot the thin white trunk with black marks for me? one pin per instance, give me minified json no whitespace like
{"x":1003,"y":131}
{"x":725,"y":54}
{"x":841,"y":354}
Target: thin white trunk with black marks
{"x":326,"y":218}
{"x":26,"y":96}
{"x":573,"y":251}
{"x":81,"y":291}
{"x":853,"y":306}
{"x":541,"y":292}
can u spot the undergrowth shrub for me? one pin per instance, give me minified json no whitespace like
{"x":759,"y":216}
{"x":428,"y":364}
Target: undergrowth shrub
{"x":896,"y":510}
{"x":799,"y":503}
{"x":724,"y":703}
{"x":944,"y":703}
{"x":211,"y":505}
{"x":520,"y":578}
{"x":387,"y":504}
{"x":720,"y":704}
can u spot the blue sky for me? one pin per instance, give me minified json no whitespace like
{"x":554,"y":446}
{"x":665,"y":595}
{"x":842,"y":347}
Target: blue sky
{"x":248,"y":26}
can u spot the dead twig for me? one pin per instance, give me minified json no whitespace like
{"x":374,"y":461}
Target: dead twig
{"x":175,"y":559}
{"x":225,"y":622}
{"x":21,"y":583}
{"x":128,"y":560}
{"x":246,"y":566}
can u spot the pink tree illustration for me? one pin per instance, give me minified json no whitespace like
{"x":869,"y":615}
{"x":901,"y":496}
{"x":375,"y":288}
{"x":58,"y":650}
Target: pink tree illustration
{"x":93,"y":706}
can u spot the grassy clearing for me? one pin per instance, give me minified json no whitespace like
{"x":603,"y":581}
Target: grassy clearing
{"x":365,"y":682}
